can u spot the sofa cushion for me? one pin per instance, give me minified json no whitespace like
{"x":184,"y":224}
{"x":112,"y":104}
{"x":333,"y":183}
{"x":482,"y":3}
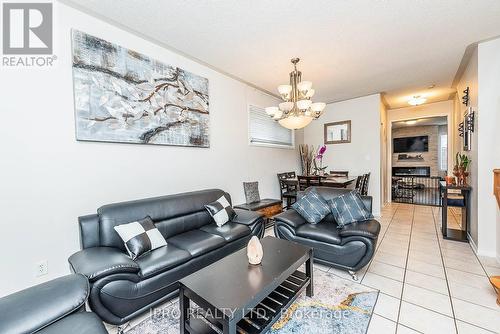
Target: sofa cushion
{"x":197,"y":242}
{"x":161,"y":259}
{"x":323,"y":231}
{"x":312,"y":207}
{"x":349,"y":208}
{"x":230,"y":231}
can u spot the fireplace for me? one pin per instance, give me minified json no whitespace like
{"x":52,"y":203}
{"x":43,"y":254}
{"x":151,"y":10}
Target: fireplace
{"x":411,"y":171}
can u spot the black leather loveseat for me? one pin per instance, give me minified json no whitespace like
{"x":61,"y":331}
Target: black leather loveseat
{"x":349,"y":248}
{"x":53,"y":307}
{"x":122,"y":288}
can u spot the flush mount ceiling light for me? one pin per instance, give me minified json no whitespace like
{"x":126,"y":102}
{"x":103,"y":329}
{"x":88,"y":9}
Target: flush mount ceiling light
{"x":297,"y":110}
{"x":417,"y":100}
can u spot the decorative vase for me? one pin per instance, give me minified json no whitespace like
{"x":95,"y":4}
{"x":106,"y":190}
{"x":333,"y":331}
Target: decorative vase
{"x":463,"y":176}
{"x":254,"y":251}
{"x":456,"y":173}
{"x":466,"y":174}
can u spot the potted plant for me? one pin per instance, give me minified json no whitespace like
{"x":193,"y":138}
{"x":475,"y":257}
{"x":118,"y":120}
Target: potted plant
{"x":319,"y":156}
{"x":462,"y":163}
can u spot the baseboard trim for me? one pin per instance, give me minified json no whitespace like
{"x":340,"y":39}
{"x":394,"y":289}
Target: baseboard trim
{"x":472,"y":243}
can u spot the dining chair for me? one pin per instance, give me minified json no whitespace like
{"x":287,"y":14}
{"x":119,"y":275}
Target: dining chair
{"x":362,"y":184}
{"x":308,"y":181}
{"x":287,"y":192}
{"x":364,"y":192}
{"x":339,"y":173}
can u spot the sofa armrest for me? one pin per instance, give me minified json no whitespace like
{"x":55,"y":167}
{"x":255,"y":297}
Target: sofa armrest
{"x":246,"y":217}
{"x":98,"y":262}
{"x":32,"y":309}
{"x":291,"y":218}
{"x":367,"y":201}
{"x":369,"y":229}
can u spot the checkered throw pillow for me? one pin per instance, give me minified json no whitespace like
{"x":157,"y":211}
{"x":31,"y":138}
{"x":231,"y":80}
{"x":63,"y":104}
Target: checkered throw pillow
{"x":221,"y":211}
{"x":140,"y":237}
{"x":349,"y":208}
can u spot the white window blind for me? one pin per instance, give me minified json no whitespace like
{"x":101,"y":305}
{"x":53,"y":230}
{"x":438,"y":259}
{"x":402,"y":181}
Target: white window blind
{"x":264,"y":130}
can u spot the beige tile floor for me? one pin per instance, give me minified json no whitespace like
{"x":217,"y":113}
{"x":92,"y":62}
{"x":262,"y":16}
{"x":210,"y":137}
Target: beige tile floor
{"x":426,"y":284}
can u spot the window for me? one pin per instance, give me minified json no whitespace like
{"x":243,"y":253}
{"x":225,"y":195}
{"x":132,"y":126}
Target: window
{"x":443,"y":152}
{"x":265,"y":131}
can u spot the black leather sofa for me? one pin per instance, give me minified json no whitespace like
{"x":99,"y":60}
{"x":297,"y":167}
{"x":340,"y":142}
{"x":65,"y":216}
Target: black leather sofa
{"x":349,"y":248}
{"x":122,"y":288}
{"x":54,"y":307}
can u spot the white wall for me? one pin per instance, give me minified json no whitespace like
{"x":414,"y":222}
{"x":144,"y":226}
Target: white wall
{"x":469,"y":79}
{"x":360,"y":156}
{"x":488,"y":143}
{"x":47,"y":178}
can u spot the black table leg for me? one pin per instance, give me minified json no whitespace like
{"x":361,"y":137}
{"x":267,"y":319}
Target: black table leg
{"x":229,"y":327}
{"x":184,"y":307}
{"x":309,"y":273}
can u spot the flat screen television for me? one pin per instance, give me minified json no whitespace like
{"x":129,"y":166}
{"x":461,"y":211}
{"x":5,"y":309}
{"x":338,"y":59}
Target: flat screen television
{"x":411,"y":144}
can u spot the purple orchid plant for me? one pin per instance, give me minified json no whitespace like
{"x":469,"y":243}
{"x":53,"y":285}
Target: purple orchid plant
{"x":319,"y":156}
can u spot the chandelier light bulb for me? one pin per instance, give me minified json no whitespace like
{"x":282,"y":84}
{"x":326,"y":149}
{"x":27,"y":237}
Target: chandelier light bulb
{"x":304,"y":86}
{"x":286,"y":106}
{"x":284,"y":89}
{"x":318,"y":107}
{"x":303,"y":104}
{"x":271,"y":111}
{"x":310,"y":93}
{"x":278,"y":114}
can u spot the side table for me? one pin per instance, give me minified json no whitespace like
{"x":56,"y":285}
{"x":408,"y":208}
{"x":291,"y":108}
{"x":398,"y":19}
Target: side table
{"x":268,"y":207}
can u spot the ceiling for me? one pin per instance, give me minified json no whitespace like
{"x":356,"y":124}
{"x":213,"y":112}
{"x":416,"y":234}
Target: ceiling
{"x":348,"y":48}
{"x":421,"y":122}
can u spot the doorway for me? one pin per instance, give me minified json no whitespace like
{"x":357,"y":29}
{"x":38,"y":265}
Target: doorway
{"x":419,"y":159}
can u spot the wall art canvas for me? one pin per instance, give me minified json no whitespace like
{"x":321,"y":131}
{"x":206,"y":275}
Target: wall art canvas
{"x":124,"y":96}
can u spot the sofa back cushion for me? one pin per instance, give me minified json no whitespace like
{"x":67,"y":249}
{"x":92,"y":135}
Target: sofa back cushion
{"x":172,"y":214}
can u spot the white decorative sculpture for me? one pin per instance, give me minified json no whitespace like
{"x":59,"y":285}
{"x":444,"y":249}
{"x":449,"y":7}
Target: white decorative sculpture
{"x":254,"y":251}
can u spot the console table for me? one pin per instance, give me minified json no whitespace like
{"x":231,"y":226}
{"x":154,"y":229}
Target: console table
{"x":247,"y":298}
{"x":448,"y":233}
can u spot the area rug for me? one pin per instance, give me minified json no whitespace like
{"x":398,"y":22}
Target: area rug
{"x":338,"y":306}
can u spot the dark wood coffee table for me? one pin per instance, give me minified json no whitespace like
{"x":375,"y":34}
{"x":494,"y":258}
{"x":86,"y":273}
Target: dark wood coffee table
{"x":233,"y":296}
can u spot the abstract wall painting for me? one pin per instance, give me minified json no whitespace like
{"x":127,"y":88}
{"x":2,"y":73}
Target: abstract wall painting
{"x":124,"y":96}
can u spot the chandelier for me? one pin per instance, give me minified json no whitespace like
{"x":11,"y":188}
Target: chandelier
{"x":297,"y":110}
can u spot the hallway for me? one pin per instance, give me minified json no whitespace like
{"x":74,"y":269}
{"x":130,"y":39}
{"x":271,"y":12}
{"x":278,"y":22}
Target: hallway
{"x":427,"y":284}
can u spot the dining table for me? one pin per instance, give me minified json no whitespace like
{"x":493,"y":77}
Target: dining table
{"x":333,"y":181}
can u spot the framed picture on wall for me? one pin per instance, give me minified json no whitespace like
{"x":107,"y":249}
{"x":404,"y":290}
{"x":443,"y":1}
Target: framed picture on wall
{"x":338,"y":132}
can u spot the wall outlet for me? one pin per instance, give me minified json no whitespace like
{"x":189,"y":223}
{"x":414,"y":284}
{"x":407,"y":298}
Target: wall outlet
{"x":41,"y":268}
